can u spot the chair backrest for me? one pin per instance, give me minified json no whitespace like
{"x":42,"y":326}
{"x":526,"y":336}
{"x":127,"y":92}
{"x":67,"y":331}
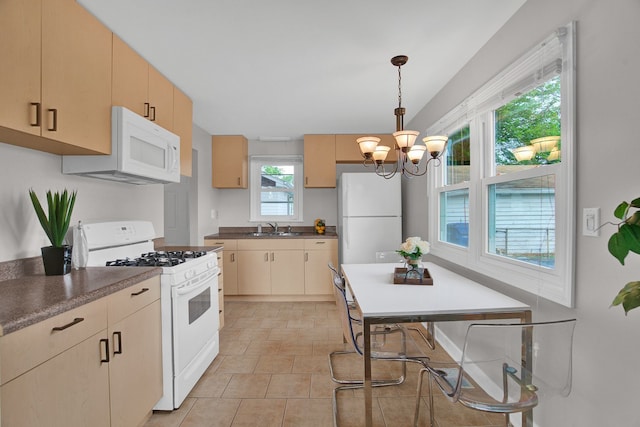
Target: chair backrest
{"x":343,"y":309}
{"x":388,"y":257}
{"x":492,"y":358}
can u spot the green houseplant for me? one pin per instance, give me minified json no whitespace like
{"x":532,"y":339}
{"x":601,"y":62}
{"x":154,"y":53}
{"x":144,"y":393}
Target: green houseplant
{"x":623,"y":241}
{"x":57,"y":257}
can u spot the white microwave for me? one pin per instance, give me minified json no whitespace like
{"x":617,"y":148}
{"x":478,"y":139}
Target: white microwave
{"x":141,"y":153}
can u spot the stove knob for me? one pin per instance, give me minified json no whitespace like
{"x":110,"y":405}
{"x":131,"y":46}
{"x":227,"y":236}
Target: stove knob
{"x":189,"y":274}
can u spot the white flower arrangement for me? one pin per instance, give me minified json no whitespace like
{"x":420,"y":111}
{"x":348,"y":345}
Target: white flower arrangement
{"x":413,"y":248}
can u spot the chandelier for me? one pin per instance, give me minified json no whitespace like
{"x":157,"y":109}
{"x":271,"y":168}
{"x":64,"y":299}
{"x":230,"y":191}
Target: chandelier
{"x":409,"y":154}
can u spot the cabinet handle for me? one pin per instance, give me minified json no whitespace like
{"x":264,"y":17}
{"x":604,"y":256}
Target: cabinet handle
{"x":54,"y":120}
{"x":146,"y":109}
{"x":68,"y":325}
{"x":141,"y":291}
{"x":273,"y":256}
{"x":306,"y":180}
{"x":117,"y":334}
{"x":106,"y":350}
{"x":266,"y":257}
{"x":306,"y":256}
{"x":38,"y":113}
{"x":219,"y":289}
{"x":233,"y":257}
{"x":153,"y":114}
{"x":219,"y":273}
{"x":219,"y":311}
{"x":320,"y":243}
{"x":238,"y":181}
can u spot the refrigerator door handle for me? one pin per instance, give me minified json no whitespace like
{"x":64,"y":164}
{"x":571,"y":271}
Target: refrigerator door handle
{"x":346,"y":231}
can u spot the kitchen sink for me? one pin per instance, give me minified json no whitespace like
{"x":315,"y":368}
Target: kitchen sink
{"x":274,"y":234}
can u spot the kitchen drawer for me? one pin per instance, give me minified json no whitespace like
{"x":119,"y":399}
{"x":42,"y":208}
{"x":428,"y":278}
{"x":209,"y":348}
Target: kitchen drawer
{"x":270,"y":244}
{"x":129,"y":300}
{"x":320,"y":244}
{"x":228,"y":245}
{"x":26,"y":348}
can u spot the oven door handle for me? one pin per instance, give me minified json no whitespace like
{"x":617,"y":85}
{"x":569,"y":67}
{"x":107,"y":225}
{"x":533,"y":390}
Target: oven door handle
{"x":200,"y":283}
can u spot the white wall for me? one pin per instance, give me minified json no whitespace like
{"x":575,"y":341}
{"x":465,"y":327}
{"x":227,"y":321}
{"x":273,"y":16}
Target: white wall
{"x":606,"y":343}
{"x":318,"y":202}
{"x":97,"y":200}
{"x":208,"y":197}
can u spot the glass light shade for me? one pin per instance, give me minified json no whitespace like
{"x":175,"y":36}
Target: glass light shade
{"x":380,"y":153}
{"x":554,"y":154}
{"x":416,"y":153}
{"x":435,"y":144}
{"x":545,"y":144}
{"x":405,"y":138}
{"x":524,"y":153}
{"x":367,"y":144}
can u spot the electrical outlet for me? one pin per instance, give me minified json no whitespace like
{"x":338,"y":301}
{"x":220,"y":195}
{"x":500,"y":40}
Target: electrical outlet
{"x":591,"y":222}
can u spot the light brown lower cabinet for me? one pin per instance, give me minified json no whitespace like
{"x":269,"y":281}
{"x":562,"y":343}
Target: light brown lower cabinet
{"x":99,"y":364}
{"x":277,"y":266}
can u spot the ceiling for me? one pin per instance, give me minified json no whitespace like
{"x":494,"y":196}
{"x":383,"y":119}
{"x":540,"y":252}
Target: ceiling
{"x":283,"y":68}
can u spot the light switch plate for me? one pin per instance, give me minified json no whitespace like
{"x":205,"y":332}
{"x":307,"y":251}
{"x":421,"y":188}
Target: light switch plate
{"x":591,"y":222}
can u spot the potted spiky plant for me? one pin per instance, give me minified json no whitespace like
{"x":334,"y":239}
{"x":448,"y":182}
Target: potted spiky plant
{"x":57,"y":257}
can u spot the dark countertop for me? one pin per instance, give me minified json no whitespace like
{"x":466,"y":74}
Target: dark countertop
{"x":189,"y":248}
{"x":31,"y":299}
{"x":245,"y":233}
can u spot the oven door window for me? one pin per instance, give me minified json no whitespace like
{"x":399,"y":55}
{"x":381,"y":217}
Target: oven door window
{"x":199,"y":304}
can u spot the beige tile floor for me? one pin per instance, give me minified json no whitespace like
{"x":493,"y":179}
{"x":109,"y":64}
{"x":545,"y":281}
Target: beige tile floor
{"x":273,"y":370}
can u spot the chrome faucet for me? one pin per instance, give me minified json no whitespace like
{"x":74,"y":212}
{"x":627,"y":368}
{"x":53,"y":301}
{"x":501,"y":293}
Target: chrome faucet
{"x":274,"y":226}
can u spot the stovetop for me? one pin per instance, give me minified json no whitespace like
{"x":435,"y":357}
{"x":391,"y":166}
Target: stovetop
{"x":157,"y":259}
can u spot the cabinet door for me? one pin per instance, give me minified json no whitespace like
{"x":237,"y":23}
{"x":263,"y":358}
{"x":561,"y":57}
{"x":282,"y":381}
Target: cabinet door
{"x":254,"y":273}
{"x":183,"y":127}
{"x":161,"y":99}
{"x":135,"y":370}
{"x":318,"y":253}
{"x":76,"y":78}
{"x":319,"y":161}
{"x":20,"y":64}
{"x":229,"y":161}
{"x":130,"y":78}
{"x":287,"y":272}
{"x":229,"y":264}
{"x":69,"y":390}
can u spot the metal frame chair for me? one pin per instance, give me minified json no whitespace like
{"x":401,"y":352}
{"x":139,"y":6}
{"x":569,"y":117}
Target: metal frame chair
{"x":402,"y":349}
{"x":493,"y":375}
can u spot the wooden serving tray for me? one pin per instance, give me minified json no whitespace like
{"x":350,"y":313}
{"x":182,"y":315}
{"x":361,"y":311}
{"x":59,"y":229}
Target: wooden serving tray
{"x":400,"y":273}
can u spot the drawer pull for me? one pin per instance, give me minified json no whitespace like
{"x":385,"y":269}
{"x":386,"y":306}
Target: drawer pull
{"x":68,"y":325}
{"x":106,"y":350}
{"x":38,"y":113}
{"x":146,"y":109}
{"x":54,"y":120}
{"x":153,"y":114}
{"x":142,"y":291}
{"x":118,"y":335}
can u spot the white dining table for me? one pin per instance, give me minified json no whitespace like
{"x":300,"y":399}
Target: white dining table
{"x":452,"y":297}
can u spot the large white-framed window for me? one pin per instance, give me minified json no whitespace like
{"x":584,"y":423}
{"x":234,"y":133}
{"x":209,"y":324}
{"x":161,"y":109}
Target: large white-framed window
{"x":503,"y":202}
{"x":276,"y":188}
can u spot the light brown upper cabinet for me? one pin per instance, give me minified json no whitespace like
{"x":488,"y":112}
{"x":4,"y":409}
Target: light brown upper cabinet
{"x":183,"y":127}
{"x":229,"y":161}
{"x":56,"y":70}
{"x":140,"y":87}
{"x":348,"y":151}
{"x":160,"y":99}
{"x":319,"y":161}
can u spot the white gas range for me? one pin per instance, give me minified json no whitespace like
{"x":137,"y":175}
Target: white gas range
{"x":189,"y":299}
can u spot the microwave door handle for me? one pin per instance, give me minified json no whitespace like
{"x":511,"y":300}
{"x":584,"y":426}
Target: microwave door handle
{"x":172,"y":158}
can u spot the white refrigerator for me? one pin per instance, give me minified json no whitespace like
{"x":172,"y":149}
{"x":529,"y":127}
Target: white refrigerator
{"x":369,"y":216}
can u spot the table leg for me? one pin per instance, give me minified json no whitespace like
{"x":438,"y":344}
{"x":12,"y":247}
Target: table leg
{"x":527,"y":361}
{"x":368,"y":393}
